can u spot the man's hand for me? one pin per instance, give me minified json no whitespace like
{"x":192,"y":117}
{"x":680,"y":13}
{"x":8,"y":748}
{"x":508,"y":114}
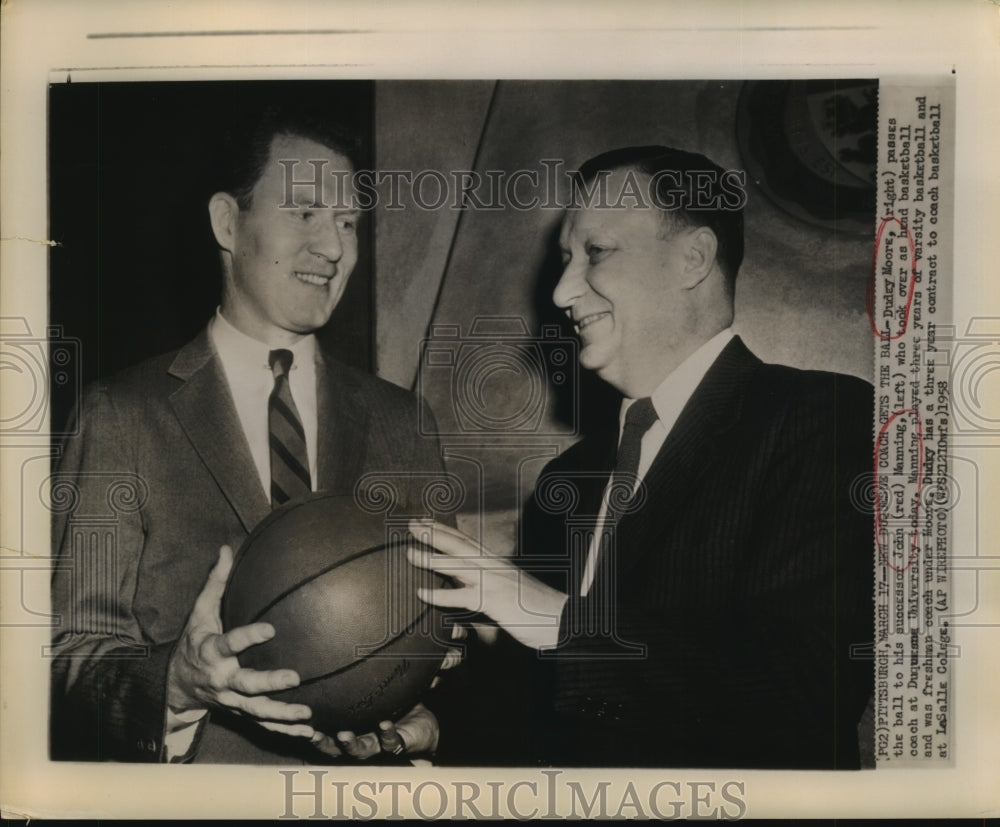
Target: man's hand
{"x":525,"y":607}
{"x":205,"y":673}
{"x":415,"y":733}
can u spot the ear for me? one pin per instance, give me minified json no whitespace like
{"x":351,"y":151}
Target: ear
{"x":699,"y":256}
{"x":223,"y":211}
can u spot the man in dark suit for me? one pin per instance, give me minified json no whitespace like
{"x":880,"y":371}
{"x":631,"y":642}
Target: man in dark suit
{"x":691,"y":580}
{"x":180,"y":452}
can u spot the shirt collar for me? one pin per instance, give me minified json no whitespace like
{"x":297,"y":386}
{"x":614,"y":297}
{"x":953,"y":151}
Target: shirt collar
{"x":248,"y":356}
{"x":672,"y":394}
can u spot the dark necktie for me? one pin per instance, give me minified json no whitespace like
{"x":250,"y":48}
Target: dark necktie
{"x":289,"y":459}
{"x":641,"y":415}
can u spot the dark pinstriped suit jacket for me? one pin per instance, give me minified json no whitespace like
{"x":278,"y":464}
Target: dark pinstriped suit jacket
{"x":747,"y":575}
{"x":170,"y":426}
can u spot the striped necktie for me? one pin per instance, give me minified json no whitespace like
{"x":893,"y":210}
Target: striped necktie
{"x":289,"y":459}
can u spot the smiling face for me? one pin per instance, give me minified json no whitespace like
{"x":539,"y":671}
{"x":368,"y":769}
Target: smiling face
{"x":624,"y":287}
{"x":286,"y":267}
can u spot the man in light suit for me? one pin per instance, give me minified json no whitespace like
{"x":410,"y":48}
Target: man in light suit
{"x":178,"y":451}
{"x":712,"y":614}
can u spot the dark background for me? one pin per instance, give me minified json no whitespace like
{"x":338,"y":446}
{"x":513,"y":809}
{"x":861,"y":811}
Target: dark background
{"x":136,"y":270}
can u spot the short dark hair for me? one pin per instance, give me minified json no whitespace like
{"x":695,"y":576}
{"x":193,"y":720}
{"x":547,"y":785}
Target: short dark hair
{"x":246,"y":144}
{"x":724,"y":218}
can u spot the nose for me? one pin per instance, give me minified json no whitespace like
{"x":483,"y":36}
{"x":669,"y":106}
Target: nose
{"x":570,"y":286}
{"x":326,"y":241}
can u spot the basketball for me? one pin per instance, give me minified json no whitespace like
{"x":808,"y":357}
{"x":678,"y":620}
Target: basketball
{"x":341,"y":596}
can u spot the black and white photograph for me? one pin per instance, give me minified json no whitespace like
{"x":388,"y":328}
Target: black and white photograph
{"x":491,"y":443}
{"x":738,"y":581}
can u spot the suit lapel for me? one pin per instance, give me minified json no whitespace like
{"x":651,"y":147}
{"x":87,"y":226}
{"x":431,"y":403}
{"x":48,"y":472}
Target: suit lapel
{"x":597,"y":461}
{"x":714,"y":407}
{"x":204,"y":407}
{"x":592,"y":462}
{"x":343,"y":426}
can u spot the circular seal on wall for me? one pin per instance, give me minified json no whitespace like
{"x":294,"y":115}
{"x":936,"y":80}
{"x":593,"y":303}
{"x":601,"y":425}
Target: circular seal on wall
{"x":811,"y":147}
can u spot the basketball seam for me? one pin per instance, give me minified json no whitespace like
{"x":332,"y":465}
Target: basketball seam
{"x":276,"y":515}
{"x":384,"y":646}
{"x":275,"y":601}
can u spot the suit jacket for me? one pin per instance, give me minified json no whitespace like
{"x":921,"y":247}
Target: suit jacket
{"x":158,"y":477}
{"x":720,"y":631}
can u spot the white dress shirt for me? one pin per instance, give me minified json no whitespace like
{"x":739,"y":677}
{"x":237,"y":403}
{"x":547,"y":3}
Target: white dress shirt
{"x":250,"y":379}
{"x":244,"y":362}
{"x":669,"y":399}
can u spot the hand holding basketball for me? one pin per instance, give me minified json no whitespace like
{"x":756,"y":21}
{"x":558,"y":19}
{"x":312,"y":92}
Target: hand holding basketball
{"x":416,"y":733}
{"x":333,"y":581}
{"x":204,"y":671}
{"x":528,"y":609}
